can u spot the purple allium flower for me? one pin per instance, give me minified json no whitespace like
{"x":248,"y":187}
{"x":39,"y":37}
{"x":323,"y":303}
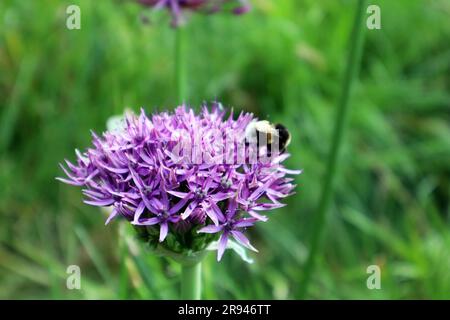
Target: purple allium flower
{"x":176,"y":7}
{"x":231,"y":224}
{"x":169,"y":177}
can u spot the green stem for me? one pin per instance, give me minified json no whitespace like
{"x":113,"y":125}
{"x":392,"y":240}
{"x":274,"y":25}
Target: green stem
{"x":352,"y":68}
{"x":190,"y":273}
{"x":123,"y":254}
{"x":191,"y":281}
{"x":180,"y":64}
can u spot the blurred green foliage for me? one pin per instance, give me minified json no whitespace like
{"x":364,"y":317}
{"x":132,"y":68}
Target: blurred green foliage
{"x":283,"y":61}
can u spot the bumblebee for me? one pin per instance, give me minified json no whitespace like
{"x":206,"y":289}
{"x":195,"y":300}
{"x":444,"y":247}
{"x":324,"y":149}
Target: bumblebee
{"x":274,"y":133}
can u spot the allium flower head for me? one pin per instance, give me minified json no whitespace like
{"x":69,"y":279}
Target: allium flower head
{"x":182,"y":179}
{"x":176,"y":7}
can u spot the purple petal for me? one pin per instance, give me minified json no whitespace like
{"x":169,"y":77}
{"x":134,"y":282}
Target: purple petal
{"x":281,"y":158}
{"x":217,"y":211}
{"x":114,"y":213}
{"x":147,"y":222}
{"x":268,"y":206}
{"x":239,"y":237}
{"x":180,"y":204}
{"x":148,"y":204}
{"x":164,"y":228}
{"x":220,"y":196}
{"x":288,"y":171}
{"x":259,"y":191}
{"x":244,"y":223}
{"x":136,"y":179}
{"x":164,"y":198}
{"x":71,"y":182}
{"x":189,"y":210}
{"x":71,"y":176}
{"x":100,"y":203}
{"x":115,"y":170}
{"x":139,"y":210}
{"x":276,"y":193}
{"x":222,"y":245}
{"x":210,"y":229}
{"x":157,"y":204}
{"x":257,"y":216}
{"x":232,"y":205}
{"x":211,"y":214}
{"x":179,"y":194}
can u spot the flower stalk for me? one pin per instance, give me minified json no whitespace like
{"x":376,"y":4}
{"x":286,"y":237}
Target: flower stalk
{"x":191,"y":281}
{"x":340,"y":126}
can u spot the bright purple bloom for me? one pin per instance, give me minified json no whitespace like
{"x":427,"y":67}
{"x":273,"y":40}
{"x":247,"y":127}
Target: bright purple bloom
{"x":231,"y":225}
{"x":168,"y":176}
{"x":201,"y":198}
{"x":163,"y":214}
{"x":176,"y":7}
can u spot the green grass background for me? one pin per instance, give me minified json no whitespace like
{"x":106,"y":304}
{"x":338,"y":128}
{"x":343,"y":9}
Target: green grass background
{"x":283,"y":61}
